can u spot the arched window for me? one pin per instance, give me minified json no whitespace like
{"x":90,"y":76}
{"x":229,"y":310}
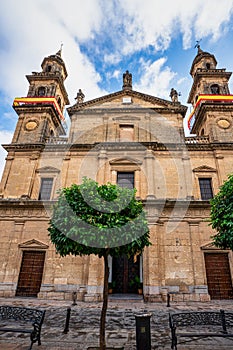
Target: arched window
{"x":215,"y":89}
{"x":207,"y":65}
{"x":41,"y":91}
{"x":48,"y":68}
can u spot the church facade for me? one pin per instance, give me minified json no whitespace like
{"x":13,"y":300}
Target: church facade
{"x":135,"y":140}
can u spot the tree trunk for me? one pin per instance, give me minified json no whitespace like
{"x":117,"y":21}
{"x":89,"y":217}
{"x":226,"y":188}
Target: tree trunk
{"x":105,"y":304}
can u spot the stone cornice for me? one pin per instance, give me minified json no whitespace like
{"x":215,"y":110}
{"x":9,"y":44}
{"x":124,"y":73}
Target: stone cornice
{"x":177,"y":107}
{"x":25,"y":209}
{"x":132,"y":110}
{"x":24,"y":146}
{"x":118,"y":146}
{"x":210,"y":106}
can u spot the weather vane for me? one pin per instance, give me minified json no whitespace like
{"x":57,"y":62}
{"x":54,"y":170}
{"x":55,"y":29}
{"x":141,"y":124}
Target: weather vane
{"x":197,"y":44}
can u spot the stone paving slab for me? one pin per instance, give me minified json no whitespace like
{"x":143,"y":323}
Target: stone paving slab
{"x":120,"y":328}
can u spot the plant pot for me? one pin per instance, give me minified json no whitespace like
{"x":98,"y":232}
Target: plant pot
{"x":140,"y":291}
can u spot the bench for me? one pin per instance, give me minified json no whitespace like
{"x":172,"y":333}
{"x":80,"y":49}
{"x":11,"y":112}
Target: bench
{"x":195,"y":324}
{"x":22,"y":320}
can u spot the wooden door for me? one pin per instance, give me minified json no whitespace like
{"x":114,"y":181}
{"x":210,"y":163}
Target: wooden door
{"x":30,"y":275}
{"x":124,"y":271}
{"x":218,"y":276}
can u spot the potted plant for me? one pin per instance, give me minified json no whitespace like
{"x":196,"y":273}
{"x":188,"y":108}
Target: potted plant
{"x":137,"y":284}
{"x":111,"y":286}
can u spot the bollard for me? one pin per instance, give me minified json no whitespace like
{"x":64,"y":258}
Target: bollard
{"x":143,"y":337}
{"x":168,"y":299}
{"x":66,"y":329}
{"x":74,"y":298}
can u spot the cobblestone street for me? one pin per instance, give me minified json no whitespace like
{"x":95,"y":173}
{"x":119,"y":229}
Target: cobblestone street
{"x":120,"y":329}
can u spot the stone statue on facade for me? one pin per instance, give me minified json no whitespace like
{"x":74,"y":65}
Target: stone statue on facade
{"x":174,"y":95}
{"x":127,"y":80}
{"x":80,"y":96}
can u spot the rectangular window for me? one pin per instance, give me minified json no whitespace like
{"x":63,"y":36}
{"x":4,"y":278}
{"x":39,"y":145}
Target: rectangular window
{"x":206,"y":188}
{"x":45,"y":188}
{"x":126,"y":133}
{"x":125,"y":179}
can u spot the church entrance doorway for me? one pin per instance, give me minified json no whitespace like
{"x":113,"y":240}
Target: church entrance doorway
{"x":126,"y":274}
{"x":30,"y":275}
{"x":218,"y":276}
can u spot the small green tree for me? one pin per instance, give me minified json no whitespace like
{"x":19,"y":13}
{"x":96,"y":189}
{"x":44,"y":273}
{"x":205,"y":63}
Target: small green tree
{"x":221,"y":215}
{"x":102,"y":220}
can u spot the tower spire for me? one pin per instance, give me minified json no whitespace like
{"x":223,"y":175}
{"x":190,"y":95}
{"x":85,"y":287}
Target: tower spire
{"x":60,"y":51}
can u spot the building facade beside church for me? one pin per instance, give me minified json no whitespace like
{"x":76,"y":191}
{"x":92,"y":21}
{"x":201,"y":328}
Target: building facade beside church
{"x":135,"y":140}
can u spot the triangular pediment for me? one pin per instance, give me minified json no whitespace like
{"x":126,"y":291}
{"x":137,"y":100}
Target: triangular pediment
{"x":125,"y":164}
{"x":125,"y":161}
{"x":128,"y":99}
{"x":210,"y":246}
{"x":33,"y":244}
{"x":203,"y":169}
{"x":47,"y":169}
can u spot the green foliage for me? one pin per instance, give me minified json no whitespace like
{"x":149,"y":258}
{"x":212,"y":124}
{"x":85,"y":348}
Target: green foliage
{"x":136,"y":282}
{"x":92,"y":219}
{"x":221,"y":215}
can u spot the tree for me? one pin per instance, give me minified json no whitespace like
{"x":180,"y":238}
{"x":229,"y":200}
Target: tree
{"x":102,"y":220}
{"x":221,"y":215}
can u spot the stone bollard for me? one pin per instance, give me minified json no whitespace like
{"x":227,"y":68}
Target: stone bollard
{"x":74,"y":298}
{"x":143,"y":337}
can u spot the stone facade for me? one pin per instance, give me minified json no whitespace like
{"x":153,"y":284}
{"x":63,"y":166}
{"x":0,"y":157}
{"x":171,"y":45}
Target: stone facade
{"x":125,"y":132}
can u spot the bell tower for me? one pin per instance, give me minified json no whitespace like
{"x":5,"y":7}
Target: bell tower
{"x":40,"y":119}
{"x":41,"y":112}
{"x":211,"y":99}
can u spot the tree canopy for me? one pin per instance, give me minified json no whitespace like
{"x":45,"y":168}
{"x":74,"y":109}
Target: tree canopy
{"x":90,"y":218}
{"x":221,"y":215}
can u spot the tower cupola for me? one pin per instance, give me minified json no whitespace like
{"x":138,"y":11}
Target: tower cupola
{"x":54,"y":64}
{"x":203,"y":60}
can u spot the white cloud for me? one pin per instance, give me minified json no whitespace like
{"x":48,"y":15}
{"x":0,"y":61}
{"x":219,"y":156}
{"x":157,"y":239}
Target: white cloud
{"x":156,"y":23}
{"x":156,"y":78}
{"x":5,"y":138}
{"x":32,"y":34}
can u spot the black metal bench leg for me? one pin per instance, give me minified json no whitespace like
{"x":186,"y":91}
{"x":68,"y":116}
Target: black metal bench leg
{"x":39,"y":341}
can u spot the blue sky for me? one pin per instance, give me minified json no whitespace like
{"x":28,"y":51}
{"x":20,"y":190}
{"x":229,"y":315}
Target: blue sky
{"x":153,"y":39}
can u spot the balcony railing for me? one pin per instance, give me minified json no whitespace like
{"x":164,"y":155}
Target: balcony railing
{"x":57,"y":140}
{"x":197,"y":140}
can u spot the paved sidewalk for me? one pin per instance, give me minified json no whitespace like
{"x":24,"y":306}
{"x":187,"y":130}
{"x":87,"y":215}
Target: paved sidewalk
{"x":120,"y":327}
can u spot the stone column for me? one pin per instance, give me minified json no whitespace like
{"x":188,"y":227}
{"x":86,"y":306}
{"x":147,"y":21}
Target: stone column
{"x":149,"y":160}
{"x":102,"y":166}
{"x":5,"y":176}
